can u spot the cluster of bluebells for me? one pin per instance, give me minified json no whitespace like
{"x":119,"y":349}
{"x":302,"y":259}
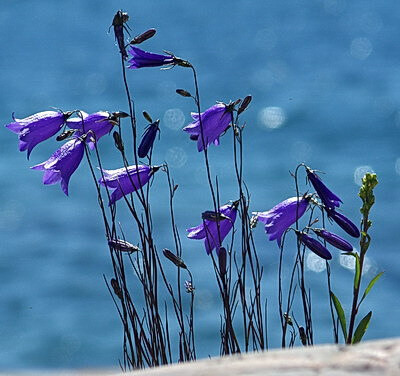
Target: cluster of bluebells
{"x":281,"y":217}
{"x":84,"y":129}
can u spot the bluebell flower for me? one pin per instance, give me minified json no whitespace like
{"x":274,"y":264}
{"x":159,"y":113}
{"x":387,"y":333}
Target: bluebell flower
{"x":126,"y":180}
{"x":328,"y":198}
{"x":62,"y":164}
{"x":333,"y":239}
{"x":95,"y":125}
{"x":208,"y":230}
{"x":278,"y":219}
{"x":314,"y":245}
{"x":214,"y":121}
{"x":141,"y":59}
{"x":37,"y":128}
{"x":148,"y":139}
{"x":344,"y":223}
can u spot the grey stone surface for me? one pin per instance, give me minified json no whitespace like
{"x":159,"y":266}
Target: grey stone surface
{"x":380,"y":358}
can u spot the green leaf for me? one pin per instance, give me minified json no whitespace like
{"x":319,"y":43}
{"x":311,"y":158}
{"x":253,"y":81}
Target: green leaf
{"x":370,"y":285}
{"x":357,"y":272}
{"x":362,"y":328}
{"x":340,"y":313}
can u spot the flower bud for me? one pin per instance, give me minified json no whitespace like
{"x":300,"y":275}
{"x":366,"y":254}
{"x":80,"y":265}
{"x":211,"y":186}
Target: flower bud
{"x":144,"y":36}
{"x":147,"y":117}
{"x":65,"y":134}
{"x":244,"y":104}
{"x":183,"y":93}
{"x":118,"y":141}
{"x":344,"y":223}
{"x":148,"y":139}
{"x":222,"y":261}
{"x":189,"y":287}
{"x":116,"y":288}
{"x":213,"y":216}
{"x":176,"y":260}
{"x":123,"y":246}
{"x":314,"y":245}
{"x":334,"y":239}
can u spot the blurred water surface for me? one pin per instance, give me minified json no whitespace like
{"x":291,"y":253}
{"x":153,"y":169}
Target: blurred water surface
{"x":324,"y":75}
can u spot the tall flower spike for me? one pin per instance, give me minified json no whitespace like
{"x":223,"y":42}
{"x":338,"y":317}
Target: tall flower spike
{"x":37,"y":128}
{"x":344,"y":223}
{"x":282,"y":216}
{"x":208,"y":230}
{"x":148,"y":139}
{"x":62,"y":164}
{"x":328,"y":198}
{"x":142,"y":59}
{"x":314,"y":245}
{"x":126,"y":180}
{"x":95,"y":125}
{"x":334,"y":239}
{"x":214,"y":121}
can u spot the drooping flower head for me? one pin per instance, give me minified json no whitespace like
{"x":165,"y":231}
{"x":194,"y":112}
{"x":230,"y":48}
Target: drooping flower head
{"x":148,"y":139}
{"x":344,"y":223}
{"x":62,"y":164}
{"x":314,"y":245}
{"x":37,"y":128}
{"x":328,"y":198}
{"x":208,"y":230}
{"x":282,"y":216}
{"x":334,"y":239}
{"x":126,"y":180}
{"x":141,"y":59}
{"x":119,"y":20}
{"x":95,"y":125}
{"x":214,"y":122}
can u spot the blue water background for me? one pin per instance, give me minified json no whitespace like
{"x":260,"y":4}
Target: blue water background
{"x":325,"y":79}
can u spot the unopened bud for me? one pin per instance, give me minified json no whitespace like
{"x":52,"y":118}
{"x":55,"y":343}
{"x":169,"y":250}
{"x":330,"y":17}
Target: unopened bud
{"x":147,"y":117}
{"x":144,"y":36}
{"x":244,"y":104}
{"x":174,"y":258}
{"x":222,"y":261}
{"x":116,"y":288}
{"x":303,"y":337}
{"x":118,"y":142}
{"x":123,"y":246}
{"x":183,"y":93}
{"x":120,"y":114}
{"x":65,"y":134}
{"x":213,"y":216}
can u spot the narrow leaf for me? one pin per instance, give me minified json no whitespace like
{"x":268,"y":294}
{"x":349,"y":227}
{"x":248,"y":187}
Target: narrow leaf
{"x":362,"y":328}
{"x":370,"y":285}
{"x":357,"y":271}
{"x":340,"y":313}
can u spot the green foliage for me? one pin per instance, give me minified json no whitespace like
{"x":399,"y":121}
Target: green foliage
{"x":340,"y":313}
{"x":362,"y":327}
{"x":370,"y":285}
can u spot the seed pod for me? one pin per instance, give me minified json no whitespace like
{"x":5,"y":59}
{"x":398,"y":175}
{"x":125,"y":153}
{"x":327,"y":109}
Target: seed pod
{"x":147,"y":117}
{"x":148,"y":139}
{"x":176,"y":260}
{"x":344,"y":223}
{"x":183,"y":93}
{"x":118,"y":142}
{"x":314,"y":245}
{"x":334,"y":239}
{"x":65,"y":134}
{"x":116,"y":288}
{"x":144,"y":36}
{"x":123,"y":246}
{"x":244,"y":104}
